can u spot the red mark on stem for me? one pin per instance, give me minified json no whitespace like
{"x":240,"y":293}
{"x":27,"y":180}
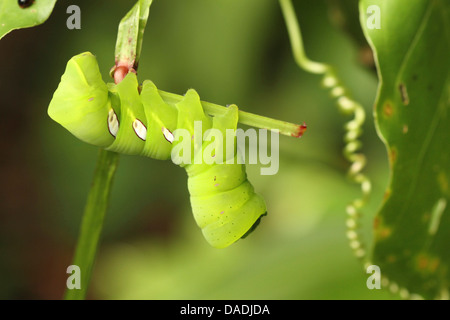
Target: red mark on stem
{"x":299,"y":131}
{"x":120,"y":71}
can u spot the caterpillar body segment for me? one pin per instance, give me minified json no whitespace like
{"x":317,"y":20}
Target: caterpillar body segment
{"x":129,"y":138}
{"x":224,"y":203}
{"x":164,"y":116}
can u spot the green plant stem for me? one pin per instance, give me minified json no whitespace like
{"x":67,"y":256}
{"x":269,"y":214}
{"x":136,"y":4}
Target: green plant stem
{"x":247,"y":118}
{"x":128,"y":47}
{"x":295,"y":37}
{"x":92,"y":222}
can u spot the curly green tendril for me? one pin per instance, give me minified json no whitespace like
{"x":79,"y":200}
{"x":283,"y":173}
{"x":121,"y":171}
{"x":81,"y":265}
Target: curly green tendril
{"x":353,"y":127}
{"x":352,"y":144}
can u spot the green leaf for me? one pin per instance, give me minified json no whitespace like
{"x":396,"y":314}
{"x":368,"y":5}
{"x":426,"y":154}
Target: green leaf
{"x":412,"y":229}
{"x":14,"y":17}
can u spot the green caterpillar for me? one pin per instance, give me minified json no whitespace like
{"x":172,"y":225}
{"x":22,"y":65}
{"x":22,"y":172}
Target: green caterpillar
{"x":132,"y":119}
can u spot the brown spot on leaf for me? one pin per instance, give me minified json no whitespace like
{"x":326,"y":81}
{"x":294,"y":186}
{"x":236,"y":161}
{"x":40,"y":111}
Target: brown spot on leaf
{"x":376,"y":222}
{"x":388,"y":109}
{"x":426,"y":263}
{"x":387,"y":194}
{"x":381,"y":231}
{"x":385,"y":232}
{"x":391,"y":258}
{"x":422,"y":262}
{"x":404,"y":94}
{"x":393,"y":155}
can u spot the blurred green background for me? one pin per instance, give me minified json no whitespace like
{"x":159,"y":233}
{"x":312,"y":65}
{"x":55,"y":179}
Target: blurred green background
{"x":230,"y":51}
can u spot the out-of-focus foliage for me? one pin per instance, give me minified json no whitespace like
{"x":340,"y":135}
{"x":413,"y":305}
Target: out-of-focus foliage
{"x":12,"y":16}
{"x":412,"y":229}
{"x":230,"y":51}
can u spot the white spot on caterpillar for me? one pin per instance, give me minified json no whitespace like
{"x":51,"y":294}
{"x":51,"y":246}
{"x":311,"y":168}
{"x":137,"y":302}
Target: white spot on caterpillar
{"x":140,"y":129}
{"x":113,"y":123}
{"x":168,"y":135}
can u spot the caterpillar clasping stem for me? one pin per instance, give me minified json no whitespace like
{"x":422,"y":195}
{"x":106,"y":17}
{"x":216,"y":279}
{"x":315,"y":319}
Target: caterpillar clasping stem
{"x":141,"y":120}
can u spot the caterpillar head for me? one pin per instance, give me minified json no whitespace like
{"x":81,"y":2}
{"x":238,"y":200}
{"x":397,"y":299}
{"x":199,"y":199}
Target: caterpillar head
{"x":81,"y":103}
